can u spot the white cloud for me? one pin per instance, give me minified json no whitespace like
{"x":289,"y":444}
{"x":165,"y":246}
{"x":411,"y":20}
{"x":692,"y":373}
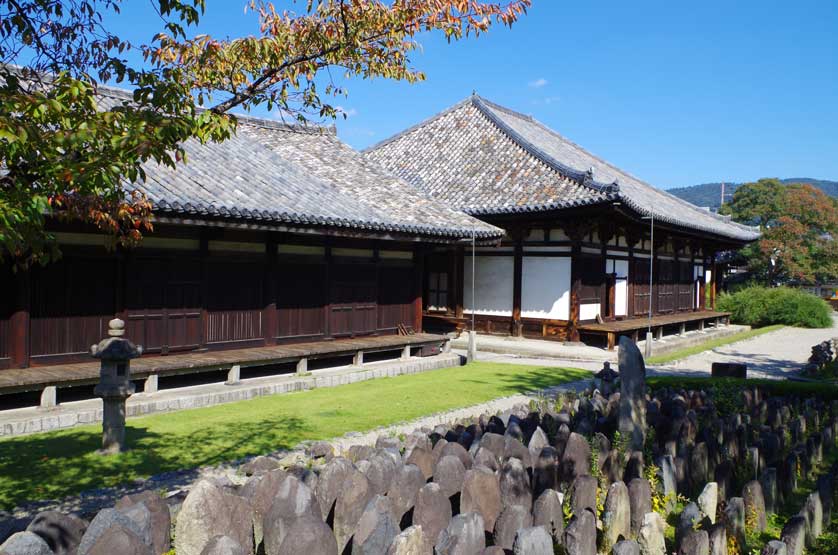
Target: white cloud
{"x":348,"y":112}
{"x":538,"y":83}
{"x":547,"y":100}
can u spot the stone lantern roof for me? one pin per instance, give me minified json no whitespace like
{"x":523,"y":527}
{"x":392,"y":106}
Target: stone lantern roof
{"x":116,"y":347}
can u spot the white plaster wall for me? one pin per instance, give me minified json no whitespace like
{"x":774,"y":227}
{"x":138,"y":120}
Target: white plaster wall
{"x":621,"y":268}
{"x":589,"y":311}
{"x":493,"y":285}
{"x":545,"y":288}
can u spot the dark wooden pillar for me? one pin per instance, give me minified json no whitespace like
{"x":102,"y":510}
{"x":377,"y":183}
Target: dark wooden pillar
{"x":714,"y":281}
{"x":19,"y":322}
{"x":203,"y":256}
{"x":575,"y":286}
{"x":459,"y":281}
{"x":517,"y":278}
{"x":120,"y":272}
{"x":576,"y":231}
{"x":269,"y":316}
{"x":607,"y":231}
{"x":327,"y":293}
{"x":418,"y":287}
{"x":655,"y":289}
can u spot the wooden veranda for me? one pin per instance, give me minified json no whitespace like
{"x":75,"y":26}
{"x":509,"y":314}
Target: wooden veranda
{"x":633,"y":326}
{"x":65,"y":375}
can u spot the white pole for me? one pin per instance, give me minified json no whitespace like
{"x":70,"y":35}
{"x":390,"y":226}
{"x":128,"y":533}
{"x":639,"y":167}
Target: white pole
{"x":472,"y":339}
{"x":473,"y":273}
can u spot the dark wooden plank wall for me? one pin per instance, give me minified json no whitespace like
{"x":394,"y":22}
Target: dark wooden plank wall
{"x":234,"y":301}
{"x":592,"y":279}
{"x":299,"y":308}
{"x":175,"y":301}
{"x":71,"y":303}
{"x":395,"y":297}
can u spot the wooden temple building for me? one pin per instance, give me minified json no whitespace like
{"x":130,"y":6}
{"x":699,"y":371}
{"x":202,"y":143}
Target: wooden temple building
{"x":282,"y":235}
{"x":577,"y":254}
{"x":285,"y":236}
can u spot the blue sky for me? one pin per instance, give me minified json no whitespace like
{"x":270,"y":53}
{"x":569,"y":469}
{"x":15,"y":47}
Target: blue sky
{"x":677,"y":93}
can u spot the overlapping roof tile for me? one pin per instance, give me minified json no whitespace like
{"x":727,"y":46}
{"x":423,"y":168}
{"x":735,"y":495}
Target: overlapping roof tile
{"x":486,"y":159}
{"x":297,"y":175}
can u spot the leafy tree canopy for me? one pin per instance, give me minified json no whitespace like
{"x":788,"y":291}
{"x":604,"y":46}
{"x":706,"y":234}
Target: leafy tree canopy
{"x":64,"y":155}
{"x":799,"y":226}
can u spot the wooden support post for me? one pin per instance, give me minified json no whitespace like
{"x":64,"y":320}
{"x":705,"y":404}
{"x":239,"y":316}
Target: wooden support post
{"x":234,"y":375}
{"x":575,"y":285}
{"x":203,"y":254}
{"x":701,"y":325}
{"x":459,"y":280}
{"x":517,"y":277}
{"x":612,"y":340}
{"x":418,"y":282}
{"x":150,"y":385}
{"x":327,"y":294}
{"x":405,"y":352}
{"x":714,"y":278}
{"x":49,"y":398}
{"x":19,"y":336}
{"x":683,"y":331}
{"x":358,"y":359}
{"x":635,"y":336}
{"x":302,"y":366}
{"x":269,"y":315}
{"x":659,"y":333}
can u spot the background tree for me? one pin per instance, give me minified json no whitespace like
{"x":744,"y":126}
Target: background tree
{"x":799,"y":224}
{"x":64,"y":155}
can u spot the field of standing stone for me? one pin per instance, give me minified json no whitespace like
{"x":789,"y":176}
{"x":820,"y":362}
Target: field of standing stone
{"x":717,"y":467}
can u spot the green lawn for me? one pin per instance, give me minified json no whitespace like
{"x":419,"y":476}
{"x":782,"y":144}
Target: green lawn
{"x":57,"y":464}
{"x":711,"y":344}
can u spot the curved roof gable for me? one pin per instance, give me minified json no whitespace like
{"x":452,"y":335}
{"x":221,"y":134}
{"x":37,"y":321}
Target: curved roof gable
{"x":470,"y":161}
{"x":475,"y":151}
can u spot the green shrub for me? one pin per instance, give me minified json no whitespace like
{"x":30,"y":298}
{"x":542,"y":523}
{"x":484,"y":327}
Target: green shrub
{"x":762,"y":306}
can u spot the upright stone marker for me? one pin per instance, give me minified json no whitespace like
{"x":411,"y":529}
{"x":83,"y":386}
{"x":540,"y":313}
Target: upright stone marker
{"x":115,"y":384}
{"x":632,"y":393}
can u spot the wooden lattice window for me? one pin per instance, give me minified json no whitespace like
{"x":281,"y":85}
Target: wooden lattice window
{"x":438,"y":291}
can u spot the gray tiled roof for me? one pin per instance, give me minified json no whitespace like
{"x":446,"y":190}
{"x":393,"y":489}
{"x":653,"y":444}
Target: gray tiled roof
{"x":295,"y":175}
{"x":462,"y":158}
{"x":487,"y":159}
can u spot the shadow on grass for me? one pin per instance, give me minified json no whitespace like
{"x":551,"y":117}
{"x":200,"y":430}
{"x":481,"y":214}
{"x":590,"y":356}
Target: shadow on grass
{"x":55,"y":465}
{"x":44,"y":466}
{"x":540,"y":378}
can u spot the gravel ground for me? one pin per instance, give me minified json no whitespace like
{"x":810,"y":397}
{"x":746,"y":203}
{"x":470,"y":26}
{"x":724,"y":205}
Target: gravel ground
{"x":774,"y":355}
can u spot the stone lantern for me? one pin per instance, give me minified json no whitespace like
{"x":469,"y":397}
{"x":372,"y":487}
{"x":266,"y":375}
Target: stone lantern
{"x":605,"y":380}
{"x":115,"y":386}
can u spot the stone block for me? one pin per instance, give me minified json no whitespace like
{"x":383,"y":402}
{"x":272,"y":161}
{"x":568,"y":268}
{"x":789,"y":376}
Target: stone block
{"x":729,"y":370}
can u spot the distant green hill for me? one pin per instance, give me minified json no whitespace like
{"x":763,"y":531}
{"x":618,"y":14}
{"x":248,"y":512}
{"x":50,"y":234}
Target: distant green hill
{"x":709,"y":194}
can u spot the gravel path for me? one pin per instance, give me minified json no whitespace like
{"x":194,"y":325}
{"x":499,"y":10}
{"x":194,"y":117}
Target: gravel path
{"x":774,"y":355}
